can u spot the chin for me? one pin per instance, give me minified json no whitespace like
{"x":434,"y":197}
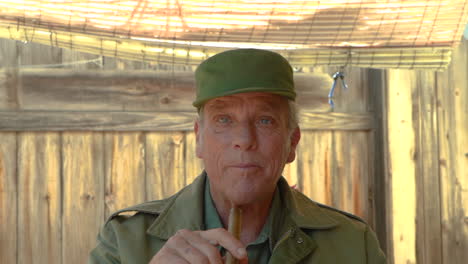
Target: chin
{"x":247,"y":196}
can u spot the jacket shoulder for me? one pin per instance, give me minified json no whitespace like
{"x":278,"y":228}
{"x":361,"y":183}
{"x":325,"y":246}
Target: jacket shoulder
{"x":328,"y":210}
{"x":343,"y":213}
{"x":152,"y":208}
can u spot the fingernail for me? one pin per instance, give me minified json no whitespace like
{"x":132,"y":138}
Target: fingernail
{"x":242,"y":252}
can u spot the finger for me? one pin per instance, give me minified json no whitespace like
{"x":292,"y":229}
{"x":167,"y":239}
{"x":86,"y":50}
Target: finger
{"x":226,"y":240}
{"x":204,"y":246}
{"x":184,"y":249}
{"x":168,"y":255}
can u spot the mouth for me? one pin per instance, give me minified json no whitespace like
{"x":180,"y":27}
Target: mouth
{"x":245,"y":166}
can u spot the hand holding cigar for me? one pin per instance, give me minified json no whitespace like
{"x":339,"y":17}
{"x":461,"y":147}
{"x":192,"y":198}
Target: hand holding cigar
{"x":235,"y":225}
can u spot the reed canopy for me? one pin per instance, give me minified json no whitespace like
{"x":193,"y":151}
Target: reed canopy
{"x":364,"y":33}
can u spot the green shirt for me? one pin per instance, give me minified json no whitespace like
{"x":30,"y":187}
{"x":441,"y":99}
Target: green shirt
{"x":259,"y":251}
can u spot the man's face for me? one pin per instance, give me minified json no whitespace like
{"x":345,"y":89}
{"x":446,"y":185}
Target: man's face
{"x":244,"y":141}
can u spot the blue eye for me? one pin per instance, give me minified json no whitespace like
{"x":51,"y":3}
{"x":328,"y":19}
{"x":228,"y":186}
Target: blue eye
{"x":223,"y":119}
{"x":266,"y":121}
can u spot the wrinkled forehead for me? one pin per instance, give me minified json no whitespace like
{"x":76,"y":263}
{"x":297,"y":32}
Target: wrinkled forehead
{"x":258,"y":101}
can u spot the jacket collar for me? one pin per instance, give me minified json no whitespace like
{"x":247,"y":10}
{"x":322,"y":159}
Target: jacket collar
{"x":304,"y":212}
{"x":183,"y":211}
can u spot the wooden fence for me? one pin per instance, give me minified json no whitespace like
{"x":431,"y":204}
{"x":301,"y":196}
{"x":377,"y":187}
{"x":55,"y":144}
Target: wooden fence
{"x":78,"y":143}
{"x":426,"y":146}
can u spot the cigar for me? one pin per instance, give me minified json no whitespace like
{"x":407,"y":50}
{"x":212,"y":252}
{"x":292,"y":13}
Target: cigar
{"x":235,"y":225}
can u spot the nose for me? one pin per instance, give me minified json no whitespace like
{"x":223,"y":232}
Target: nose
{"x":245,"y":137}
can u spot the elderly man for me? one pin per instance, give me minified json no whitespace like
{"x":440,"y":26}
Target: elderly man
{"x":246,"y":132}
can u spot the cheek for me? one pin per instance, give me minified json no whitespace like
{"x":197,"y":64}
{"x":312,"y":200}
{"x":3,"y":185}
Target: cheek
{"x":277,"y":150}
{"x":209,"y":146}
{"x":277,"y":143}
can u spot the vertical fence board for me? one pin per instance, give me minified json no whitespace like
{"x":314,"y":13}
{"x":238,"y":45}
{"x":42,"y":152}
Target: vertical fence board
{"x":8,"y":198}
{"x":402,"y":147}
{"x":452,"y":92}
{"x":124,"y":170}
{"x":381,"y":191}
{"x":39,"y":199}
{"x":350,"y":154}
{"x":165,"y":173}
{"x":350,"y":181}
{"x":314,"y":168}
{"x":428,"y":240}
{"x":193,"y":164}
{"x":83,"y":193}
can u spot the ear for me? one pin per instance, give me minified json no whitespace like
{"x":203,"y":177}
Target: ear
{"x":196,"y":129}
{"x":295,"y":137}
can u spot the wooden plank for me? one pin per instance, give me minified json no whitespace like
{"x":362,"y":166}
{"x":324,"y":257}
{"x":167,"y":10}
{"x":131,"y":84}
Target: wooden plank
{"x":356,"y":97}
{"x":452,"y":94}
{"x":96,"y":121}
{"x":193,"y":164}
{"x":402,"y":167}
{"x":35,"y":55}
{"x":83,"y":193}
{"x":9,"y":88}
{"x":68,"y":89}
{"x":156,"y":121}
{"x":39,"y":199}
{"x":124,"y":170}
{"x":165,"y":172}
{"x":350,"y":178}
{"x":312,"y":91}
{"x":428,"y":240}
{"x":336,"y":121}
{"x":314,"y":168}
{"x":9,"y":79}
{"x":9,"y":53}
{"x":8,"y":199}
{"x":379,"y":157}
{"x":91,"y":90}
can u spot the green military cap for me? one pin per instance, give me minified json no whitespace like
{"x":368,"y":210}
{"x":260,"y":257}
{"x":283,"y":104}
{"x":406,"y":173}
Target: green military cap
{"x":242,"y":71}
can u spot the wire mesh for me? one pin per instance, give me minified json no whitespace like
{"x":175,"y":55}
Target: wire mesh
{"x":405,"y":34}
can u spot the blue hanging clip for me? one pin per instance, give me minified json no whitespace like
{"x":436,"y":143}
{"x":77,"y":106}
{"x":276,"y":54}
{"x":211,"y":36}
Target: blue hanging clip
{"x":336,"y":76}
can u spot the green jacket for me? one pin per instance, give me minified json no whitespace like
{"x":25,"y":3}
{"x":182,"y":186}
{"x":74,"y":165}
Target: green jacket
{"x":312,"y":233}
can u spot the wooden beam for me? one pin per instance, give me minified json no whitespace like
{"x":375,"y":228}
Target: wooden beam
{"x":106,"y":90}
{"x":155,"y":121}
